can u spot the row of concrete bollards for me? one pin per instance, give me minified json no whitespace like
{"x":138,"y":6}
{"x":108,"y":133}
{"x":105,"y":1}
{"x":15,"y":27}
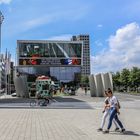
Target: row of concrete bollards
{"x":99,"y":83}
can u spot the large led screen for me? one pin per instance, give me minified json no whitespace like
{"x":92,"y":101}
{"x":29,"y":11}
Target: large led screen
{"x":49,"y":62}
{"x":57,"y":53}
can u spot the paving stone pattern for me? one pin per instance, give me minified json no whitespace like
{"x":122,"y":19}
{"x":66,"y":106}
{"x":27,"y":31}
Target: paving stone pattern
{"x":63,"y":124}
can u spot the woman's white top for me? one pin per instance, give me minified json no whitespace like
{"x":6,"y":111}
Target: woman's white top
{"x":112,"y":101}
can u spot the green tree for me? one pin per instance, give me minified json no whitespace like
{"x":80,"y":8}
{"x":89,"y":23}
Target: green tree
{"x":84,"y":79}
{"x":116,"y":80}
{"x":135,"y":78}
{"x":125,"y":78}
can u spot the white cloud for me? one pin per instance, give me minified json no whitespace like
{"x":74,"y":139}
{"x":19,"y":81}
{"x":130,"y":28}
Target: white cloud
{"x":99,"y":25}
{"x":98,"y":43}
{"x":5,"y":1}
{"x":123,"y":51}
{"x":36,"y":18}
{"x":68,"y":15}
{"x":37,"y":22}
{"x":61,"y":37}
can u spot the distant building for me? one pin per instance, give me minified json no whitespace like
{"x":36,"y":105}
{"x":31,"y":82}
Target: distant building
{"x":2,"y":72}
{"x":86,"y":53}
{"x":63,"y":60}
{"x":6,"y":71}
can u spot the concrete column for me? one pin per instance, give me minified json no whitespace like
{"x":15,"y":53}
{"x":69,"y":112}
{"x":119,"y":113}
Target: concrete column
{"x":108,"y":81}
{"x":93,"y":85}
{"x":100,"y":85}
{"x":21,"y":86}
{"x":25,"y":86}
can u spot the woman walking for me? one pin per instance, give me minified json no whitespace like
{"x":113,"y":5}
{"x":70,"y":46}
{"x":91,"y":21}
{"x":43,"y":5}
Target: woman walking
{"x":106,"y":113}
{"x":114,"y":109}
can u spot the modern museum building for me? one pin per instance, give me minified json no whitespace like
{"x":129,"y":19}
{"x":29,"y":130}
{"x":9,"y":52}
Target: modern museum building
{"x":64,"y":60}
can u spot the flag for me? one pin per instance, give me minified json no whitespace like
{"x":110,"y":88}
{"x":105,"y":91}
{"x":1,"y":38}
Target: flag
{"x":69,"y":61}
{"x":7,"y":62}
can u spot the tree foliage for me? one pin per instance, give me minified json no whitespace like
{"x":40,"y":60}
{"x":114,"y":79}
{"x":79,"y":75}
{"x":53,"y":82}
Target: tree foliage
{"x":127,"y":79}
{"x":84,"y":79}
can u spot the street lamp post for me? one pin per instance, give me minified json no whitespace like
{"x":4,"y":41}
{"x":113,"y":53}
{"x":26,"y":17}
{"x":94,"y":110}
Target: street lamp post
{"x":1,"y":20}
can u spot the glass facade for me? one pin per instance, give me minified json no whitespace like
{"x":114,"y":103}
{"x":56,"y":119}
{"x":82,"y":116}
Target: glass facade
{"x":50,"y":53}
{"x":50,"y":50}
{"x":59,"y":59}
{"x":64,"y":74}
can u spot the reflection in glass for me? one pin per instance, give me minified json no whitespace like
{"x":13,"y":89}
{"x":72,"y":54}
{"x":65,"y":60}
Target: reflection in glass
{"x":66,"y":50}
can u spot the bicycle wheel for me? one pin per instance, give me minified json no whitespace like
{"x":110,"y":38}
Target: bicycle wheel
{"x":44,"y":102}
{"x":32,"y":103}
{"x":47,"y":101}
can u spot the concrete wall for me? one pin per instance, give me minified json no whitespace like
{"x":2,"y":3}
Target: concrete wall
{"x":21,"y":86}
{"x":100,"y":82}
{"x":108,"y":81}
{"x":100,"y":85}
{"x":93,"y":85}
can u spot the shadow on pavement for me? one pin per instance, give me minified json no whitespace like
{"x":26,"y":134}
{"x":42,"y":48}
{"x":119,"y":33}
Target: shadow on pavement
{"x":27,"y":100}
{"x":15,"y":100}
{"x":67,"y":99}
{"x":56,"y":103}
{"x":131,"y":133}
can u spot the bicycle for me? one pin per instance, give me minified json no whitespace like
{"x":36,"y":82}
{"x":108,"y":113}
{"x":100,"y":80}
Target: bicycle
{"x":39,"y":102}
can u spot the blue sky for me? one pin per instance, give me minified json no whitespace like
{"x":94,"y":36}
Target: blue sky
{"x":108,"y":22}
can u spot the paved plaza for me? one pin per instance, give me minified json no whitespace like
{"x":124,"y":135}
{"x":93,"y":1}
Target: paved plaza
{"x":68,"y":118}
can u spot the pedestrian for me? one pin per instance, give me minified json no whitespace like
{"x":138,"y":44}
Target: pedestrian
{"x":106,"y":113}
{"x":114,"y":109}
{"x":85,"y":90}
